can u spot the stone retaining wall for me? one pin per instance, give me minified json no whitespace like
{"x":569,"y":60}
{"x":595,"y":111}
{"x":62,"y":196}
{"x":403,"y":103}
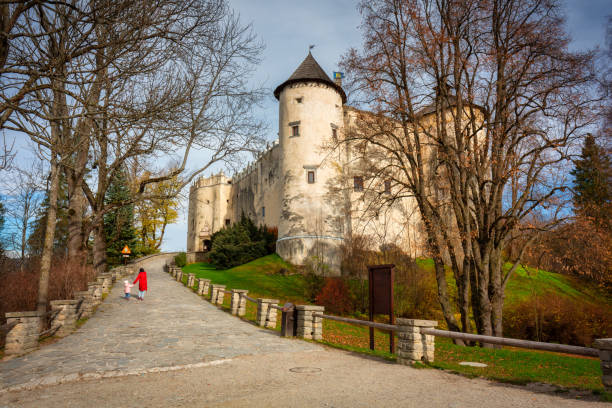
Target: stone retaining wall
{"x":23,"y":337}
{"x":66,"y":317}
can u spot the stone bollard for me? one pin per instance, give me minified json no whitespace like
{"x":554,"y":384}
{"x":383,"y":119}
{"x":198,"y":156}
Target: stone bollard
{"x":100,"y":281}
{"x":203,"y":287}
{"x":173,"y":271}
{"x":86,"y":307}
{"x":108,"y":281}
{"x":413,"y":346}
{"x":66,"y":316}
{"x":190,"y":280}
{"x":309,"y":326}
{"x":96,"y":292}
{"x":605,"y":357}
{"x":23,"y":337}
{"x":179,"y":275}
{"x":238,"y":302}
{"x":266,"y":315}
{"x":216,"y":297}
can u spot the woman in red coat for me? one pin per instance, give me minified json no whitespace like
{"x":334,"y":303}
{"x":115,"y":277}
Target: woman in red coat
{"x":142,"y":283}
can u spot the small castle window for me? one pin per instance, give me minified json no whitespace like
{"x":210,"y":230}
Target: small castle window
{"x":299,"y":100}
{"x":388,"y":186}
{"x":335,"y":133}
{"x":358,"y":183}
{"x":227,"y":222}
{"x":263,"y":211}
{"x":311,"y":177}
{"x":295,"y":131}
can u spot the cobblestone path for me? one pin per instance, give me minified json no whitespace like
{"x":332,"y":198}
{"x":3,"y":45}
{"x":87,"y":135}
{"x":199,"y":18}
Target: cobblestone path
{"x":172,"y":328}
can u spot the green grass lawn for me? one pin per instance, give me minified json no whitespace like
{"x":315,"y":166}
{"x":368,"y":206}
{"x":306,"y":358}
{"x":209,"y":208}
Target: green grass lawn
{"x":507,"y":365}
{"x":258,"y":277}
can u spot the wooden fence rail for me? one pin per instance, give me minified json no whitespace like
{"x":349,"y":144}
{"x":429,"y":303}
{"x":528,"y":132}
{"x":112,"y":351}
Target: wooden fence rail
{"x":381,"y":326}
{"x":528,"y":344}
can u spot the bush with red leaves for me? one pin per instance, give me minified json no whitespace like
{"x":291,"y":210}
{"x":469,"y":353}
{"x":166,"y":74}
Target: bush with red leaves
{"x":335,"y":296}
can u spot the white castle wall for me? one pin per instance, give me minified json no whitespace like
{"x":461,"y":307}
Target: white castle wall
{"x":208,"y":209}
{"x":312,"y":220}
{"x":258,"y":187}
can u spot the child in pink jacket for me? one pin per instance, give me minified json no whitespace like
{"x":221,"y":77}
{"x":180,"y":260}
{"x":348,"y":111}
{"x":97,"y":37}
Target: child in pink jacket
{"x":126,"y":287}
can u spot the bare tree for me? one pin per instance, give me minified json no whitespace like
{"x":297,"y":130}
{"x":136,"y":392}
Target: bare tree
{"x":119,"y":81}
{"x":25,"y":196}
{"x":477,"y":108}
{"x":202,"y":102}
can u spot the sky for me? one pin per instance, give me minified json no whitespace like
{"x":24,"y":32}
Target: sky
{"x":288,"y":27}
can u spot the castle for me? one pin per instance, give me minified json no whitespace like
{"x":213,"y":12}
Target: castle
{"x":311,"y":192}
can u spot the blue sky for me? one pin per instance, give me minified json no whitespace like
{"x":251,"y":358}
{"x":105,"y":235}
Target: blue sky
{"x":288,"y":27}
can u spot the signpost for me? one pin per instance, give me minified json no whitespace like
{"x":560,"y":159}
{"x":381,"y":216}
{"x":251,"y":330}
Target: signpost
{"x":125,"y":252}
{"x":380,"y":278}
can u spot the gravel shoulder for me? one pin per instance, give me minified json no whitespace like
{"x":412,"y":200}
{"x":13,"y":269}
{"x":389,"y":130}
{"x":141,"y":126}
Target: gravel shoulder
{"x":320,"y":378}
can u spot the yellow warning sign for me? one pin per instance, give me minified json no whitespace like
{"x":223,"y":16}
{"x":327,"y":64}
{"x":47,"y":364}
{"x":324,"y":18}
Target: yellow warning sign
{"x":126,"y":250}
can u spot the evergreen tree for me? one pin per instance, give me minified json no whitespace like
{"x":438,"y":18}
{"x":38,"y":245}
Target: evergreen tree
{"x":593,"y":182}
{"x":119,"y":223}
{"x":241,"y":243}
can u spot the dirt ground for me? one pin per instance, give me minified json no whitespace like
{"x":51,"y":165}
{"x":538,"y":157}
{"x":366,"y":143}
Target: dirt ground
{"x":323,"y":378}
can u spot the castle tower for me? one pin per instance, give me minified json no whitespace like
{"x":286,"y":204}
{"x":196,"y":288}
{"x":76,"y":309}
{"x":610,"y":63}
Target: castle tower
{"x":208,"y":210}
{"x":311,"y":223}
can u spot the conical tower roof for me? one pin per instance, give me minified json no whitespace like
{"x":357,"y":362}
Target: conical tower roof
{"x":310,"y":70}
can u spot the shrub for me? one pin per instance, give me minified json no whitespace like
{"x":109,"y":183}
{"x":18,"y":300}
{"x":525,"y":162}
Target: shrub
{"x":335,"y":297}
{"x":554,"y":318}
{"x":414,"y":289}
{"x":313,"y":284}
{"x":181,"y":259}
{"x":19,"y":288}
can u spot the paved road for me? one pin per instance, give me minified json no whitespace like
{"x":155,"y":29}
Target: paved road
{"x":174,"y":349}
{"x":172,"y":327}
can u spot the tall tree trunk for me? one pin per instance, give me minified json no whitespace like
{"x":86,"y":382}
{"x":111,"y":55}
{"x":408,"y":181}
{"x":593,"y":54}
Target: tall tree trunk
{"x":76,"y":239}
{"x":99,"y":250}
{"x":463,"y":289}
{"x":497,"y":293}
{"x":47,"y":253}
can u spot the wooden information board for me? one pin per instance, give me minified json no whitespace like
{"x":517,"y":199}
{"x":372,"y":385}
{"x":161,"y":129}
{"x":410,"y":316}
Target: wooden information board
{"x":380,"y":278}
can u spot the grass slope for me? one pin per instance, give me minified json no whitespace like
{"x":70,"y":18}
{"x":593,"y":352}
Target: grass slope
{"x":527,"y":282}
{"x":259,"y":277}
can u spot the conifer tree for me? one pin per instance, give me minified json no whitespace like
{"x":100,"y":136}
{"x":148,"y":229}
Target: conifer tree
{"x":119,"y":223}
{"x":593,"y":182}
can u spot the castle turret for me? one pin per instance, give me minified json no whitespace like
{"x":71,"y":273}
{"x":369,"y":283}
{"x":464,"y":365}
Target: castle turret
{"x":310,"y":117}
{"x":208,"y":210}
